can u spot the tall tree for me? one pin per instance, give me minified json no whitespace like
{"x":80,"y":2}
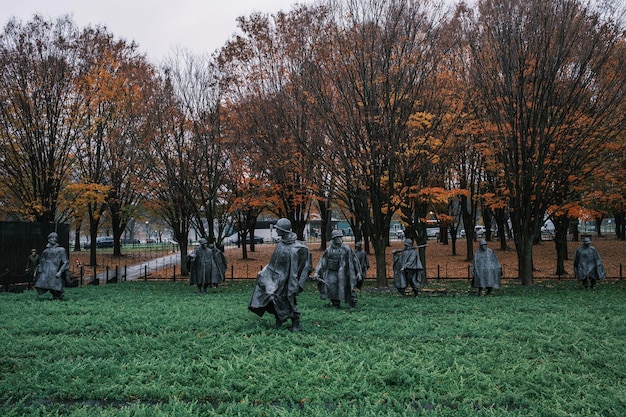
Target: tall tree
{"x":197,"y":82}
{"x":372,"y":72}
{"x":172,"y":173}
{"x":112,"y":84}
{"x":543,"y":72}
{"x":40,"y":113}
{"x":276,"y":126}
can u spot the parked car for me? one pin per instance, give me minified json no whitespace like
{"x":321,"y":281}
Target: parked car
{"x":432,"y":232}
{"x":397,"y":233}
{"x":130,"y":241}
{"x":480,"y":231}
{"x":101,"y":242}
{"x":234,"y":239}
{"x":548,"y":227}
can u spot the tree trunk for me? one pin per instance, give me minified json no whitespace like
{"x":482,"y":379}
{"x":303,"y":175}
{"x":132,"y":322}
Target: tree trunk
{"x":93,"y":236}
{"x":380,"y":253}
{"x":487,"y":217}
{"x":182,"y":238}
{"x":453,"y":239}
{"x":469,"y":222}
{"x":560,"y":242}
{"x":573,"y":226}
{"x":118,"y":228}
{"x":599,"y":226}
{"x":524,"y":248}
{"x":620,"y":226}
{"x":325,"y":223}
{"x":502,"y":227}
{"x":77,"y":247}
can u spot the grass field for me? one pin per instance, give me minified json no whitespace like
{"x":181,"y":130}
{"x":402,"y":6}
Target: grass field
{"x":161,"y":349}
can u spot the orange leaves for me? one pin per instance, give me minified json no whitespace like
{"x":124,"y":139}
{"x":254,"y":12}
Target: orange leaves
{"x":420,"y":120}
{"x":76,"y":197}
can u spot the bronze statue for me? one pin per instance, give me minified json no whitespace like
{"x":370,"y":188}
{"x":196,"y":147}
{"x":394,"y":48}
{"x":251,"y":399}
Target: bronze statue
{"x":588,"y":267}
{"x":407,"y":269}
{"x":31,"y":266}
{"x":338,"y":272}
{"x":364,"y":262}
{"x":282,"y":279}
{"x":486,"y":269}
{"x":207,"y":266}
{"x":52,"y":268}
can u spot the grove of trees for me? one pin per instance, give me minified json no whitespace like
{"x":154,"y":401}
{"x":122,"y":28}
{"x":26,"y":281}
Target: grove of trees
{"x":512,"y":110}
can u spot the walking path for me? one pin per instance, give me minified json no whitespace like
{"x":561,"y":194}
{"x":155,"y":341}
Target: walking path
{"x":137,"y":271}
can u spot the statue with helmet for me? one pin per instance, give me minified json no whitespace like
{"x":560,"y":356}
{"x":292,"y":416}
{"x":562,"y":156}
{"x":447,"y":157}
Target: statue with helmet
{"x":364,"y":262}
{"x":486,"y":269}
{"x":282,"y":279}
{"x":588,"y":267}
{"x":338,"y":272}
{"x":407,"y":268}
{"x":207,"y":266}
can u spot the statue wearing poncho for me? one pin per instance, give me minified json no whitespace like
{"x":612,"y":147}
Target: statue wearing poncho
{"x":280,"y":281}
{"x":588,"y":267}
{"x":486,"y":269}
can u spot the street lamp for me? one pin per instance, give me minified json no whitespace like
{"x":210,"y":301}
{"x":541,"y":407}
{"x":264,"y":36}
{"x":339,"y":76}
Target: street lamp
{"x":147,"y":231}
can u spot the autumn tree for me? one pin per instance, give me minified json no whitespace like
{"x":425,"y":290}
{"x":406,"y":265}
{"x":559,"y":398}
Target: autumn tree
{"x":374,"y":63}
{"x":541,"y":72}
{"x":273,"y":110}
{"x":40,"y":113}
{"x":112,"y":83}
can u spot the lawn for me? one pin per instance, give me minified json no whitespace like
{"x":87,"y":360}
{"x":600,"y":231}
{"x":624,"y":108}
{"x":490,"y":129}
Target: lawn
{"x":161,"y":349}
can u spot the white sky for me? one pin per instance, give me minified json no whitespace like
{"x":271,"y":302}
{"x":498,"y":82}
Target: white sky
{"x":157,"y":26}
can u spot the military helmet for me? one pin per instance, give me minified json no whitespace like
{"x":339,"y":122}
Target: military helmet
{"x":408,"y":242}
{"x":336,"y":233}
{"x":283,"y":224}
{"x":586,"y":240}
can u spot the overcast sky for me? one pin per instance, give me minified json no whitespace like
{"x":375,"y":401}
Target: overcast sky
{"x":156,"y":26}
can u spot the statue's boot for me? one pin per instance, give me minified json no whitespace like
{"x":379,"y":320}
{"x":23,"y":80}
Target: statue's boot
{"x":278,"y":323}
{"x":295,"y":324}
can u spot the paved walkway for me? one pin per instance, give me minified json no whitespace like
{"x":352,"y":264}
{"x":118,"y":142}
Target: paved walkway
{"x":137,"y":271}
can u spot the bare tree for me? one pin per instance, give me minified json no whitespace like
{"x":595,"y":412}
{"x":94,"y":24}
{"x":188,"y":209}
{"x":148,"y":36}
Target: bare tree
{"x":172,"y":171}
{"x":196,"y":81}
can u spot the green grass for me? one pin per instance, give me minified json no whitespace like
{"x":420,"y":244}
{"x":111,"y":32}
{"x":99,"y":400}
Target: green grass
{"x":161,"y":349}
